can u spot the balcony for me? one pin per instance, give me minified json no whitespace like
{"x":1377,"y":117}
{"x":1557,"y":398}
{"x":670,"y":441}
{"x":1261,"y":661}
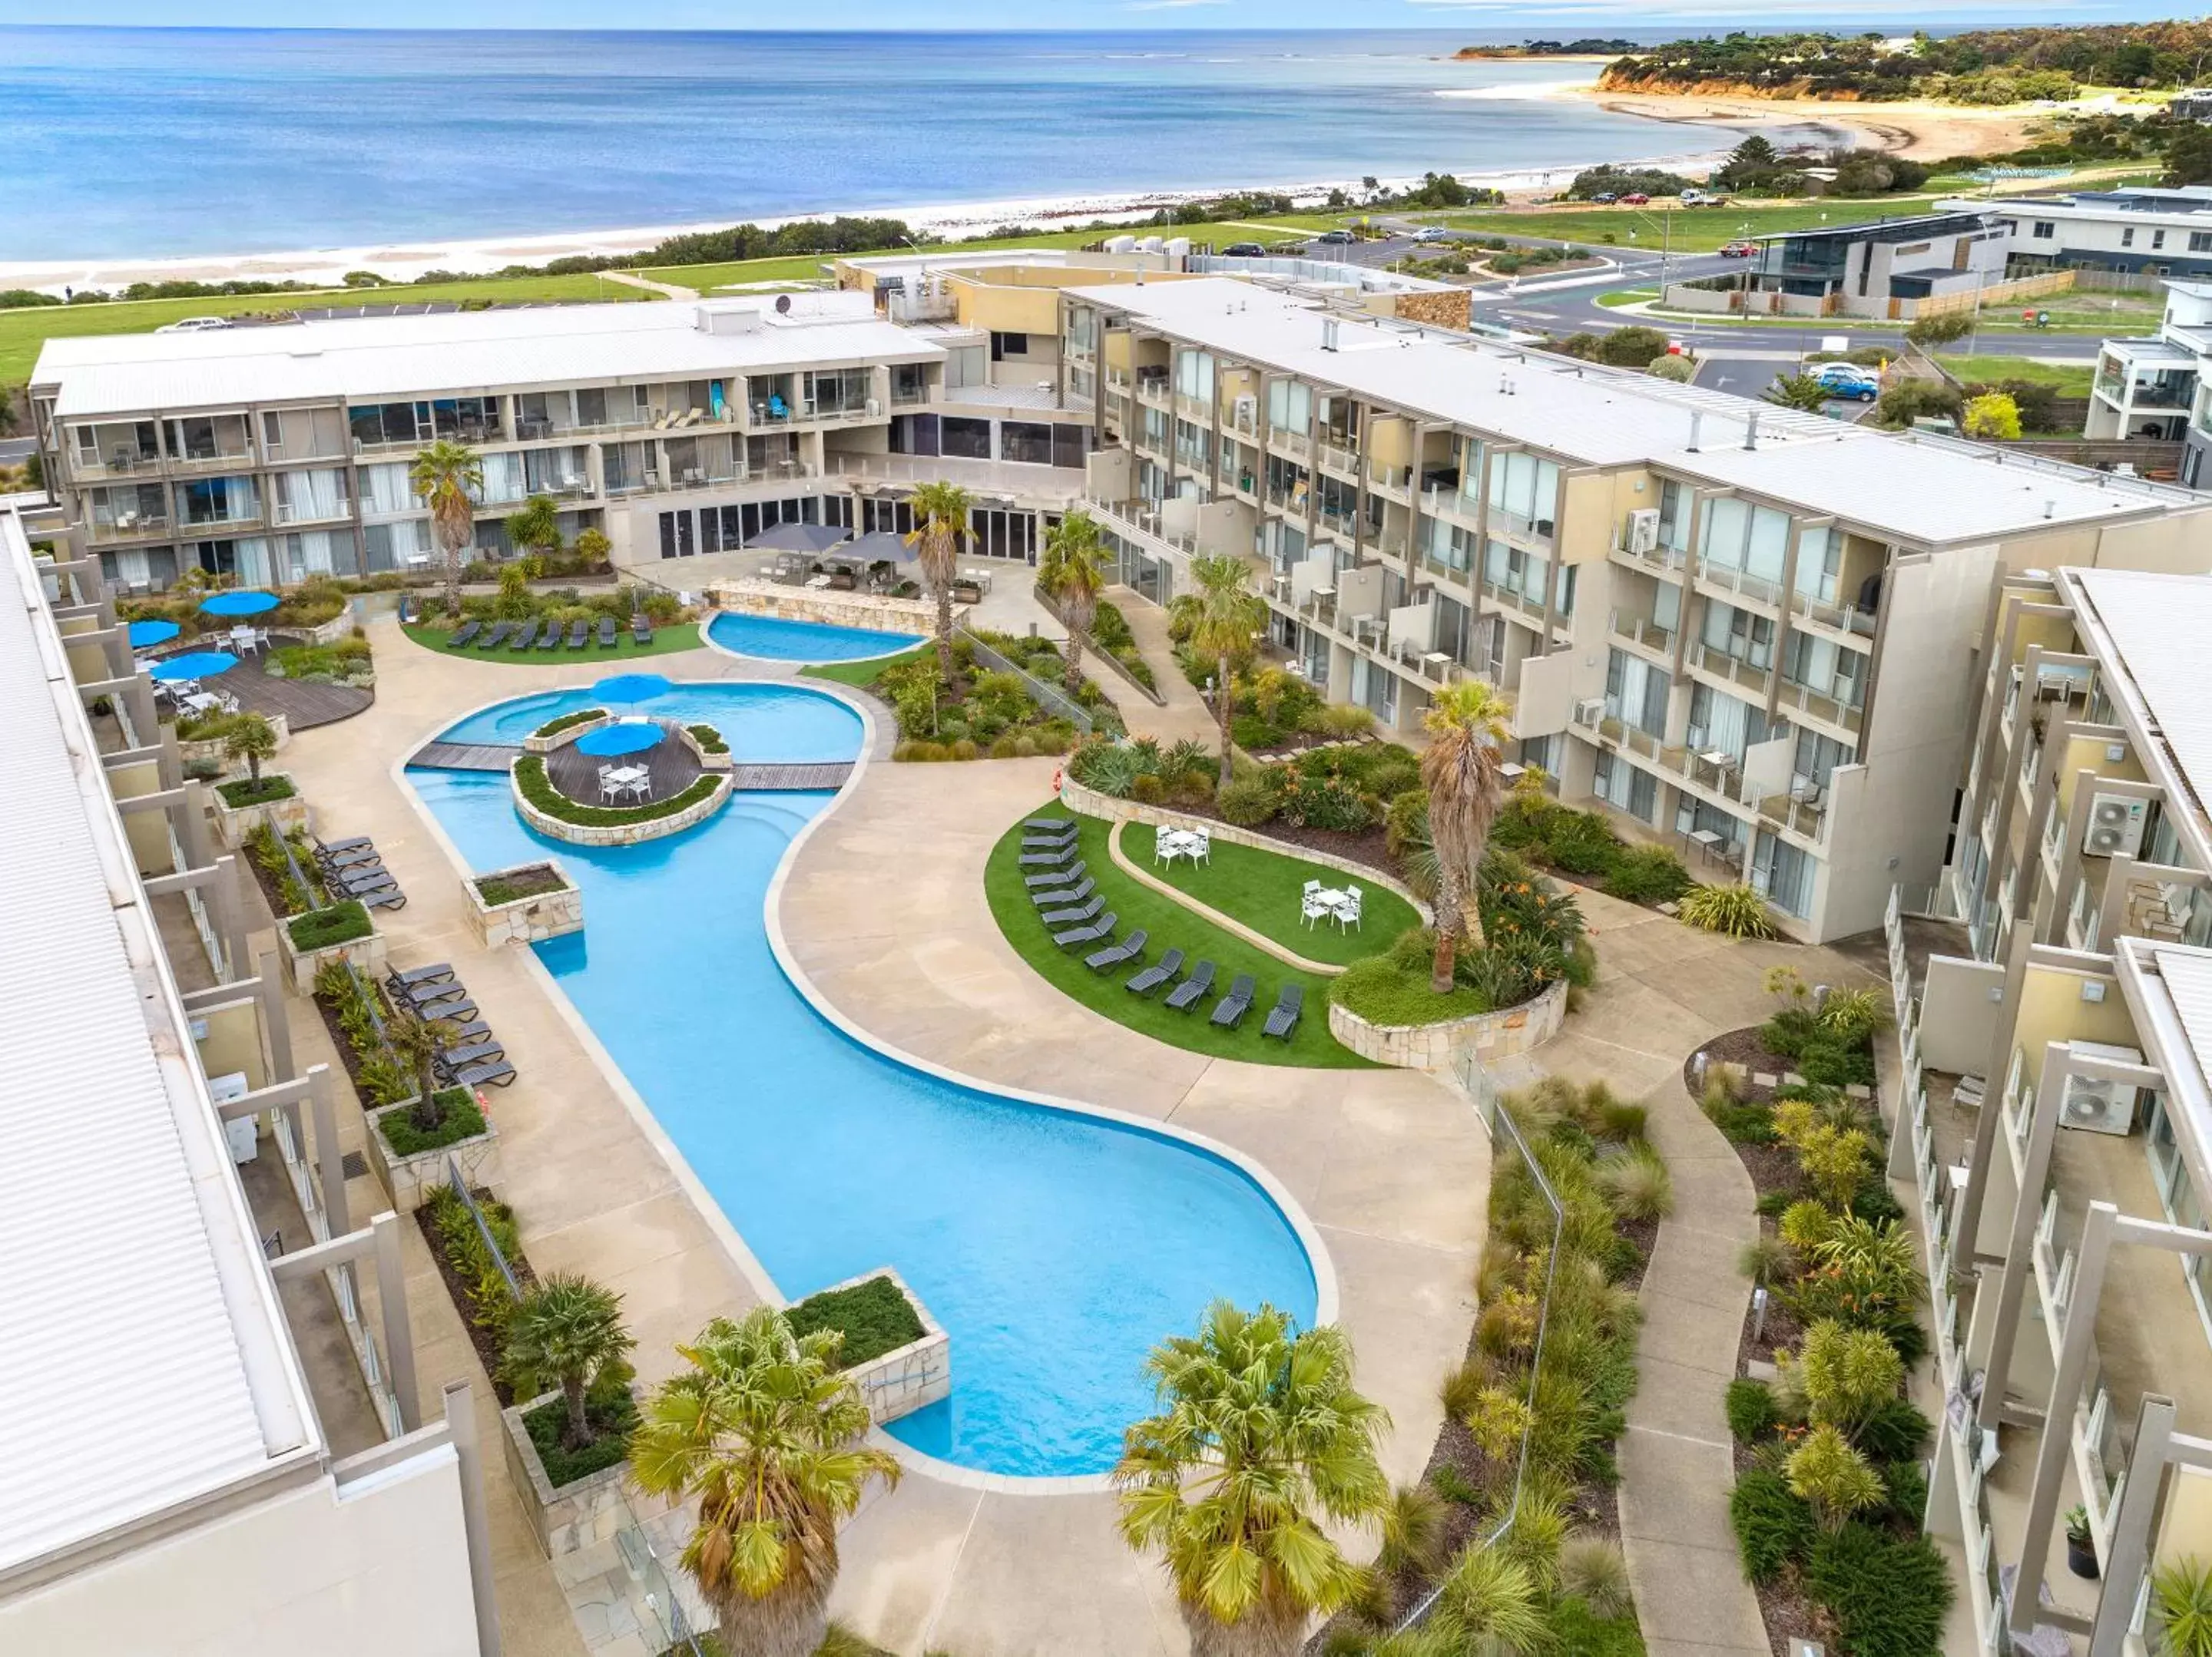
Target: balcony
{"x":1741,"y":587}
{"x":1517,"y":525}
{"x":1152,"y":388}
{"x":1643,"y":633}
{"x":1396,"y":482}
{"x":1804,"y":703}
{"x":1843,"y":623}
{"x":1438,"y":502}
{"x":1336,"y":457}
{"x":1063,"y":485}
{"x":128,"y":526}
{"x":1658,"y":559}
{"x":289,"y":514}
{"x":1297,"y":444}
{"x":1142,"y":517}
{"x":1733,"y":672}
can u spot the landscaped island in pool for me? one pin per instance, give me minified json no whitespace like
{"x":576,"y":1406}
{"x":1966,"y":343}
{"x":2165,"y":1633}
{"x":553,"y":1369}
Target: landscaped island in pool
{"x":778,"y":640}
{"x":1056,"y":1249}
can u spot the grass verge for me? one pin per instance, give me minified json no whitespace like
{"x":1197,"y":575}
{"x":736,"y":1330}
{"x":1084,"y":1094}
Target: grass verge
{"x":1263,"y":890}
{"x":1171,"y":926}
{"x":2067,"y":379}
{"x":667,"y":642}
{"x":859,"y":674}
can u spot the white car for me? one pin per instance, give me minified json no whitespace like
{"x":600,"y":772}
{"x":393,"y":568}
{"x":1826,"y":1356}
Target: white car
{"x":194,"y":326}
{"x":1432,"y":233}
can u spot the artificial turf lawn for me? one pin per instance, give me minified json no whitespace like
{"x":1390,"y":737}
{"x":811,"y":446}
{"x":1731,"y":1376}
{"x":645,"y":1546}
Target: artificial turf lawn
{"x":1263,"y":890}
{"x":861,"y":673}
{"x":666,"y":641}
{"x":1170,"y":927}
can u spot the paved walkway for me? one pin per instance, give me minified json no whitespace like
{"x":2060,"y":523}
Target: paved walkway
{"x":1664,"y":991}
{"x":1185,"y":714}
{"x":665,"y":289}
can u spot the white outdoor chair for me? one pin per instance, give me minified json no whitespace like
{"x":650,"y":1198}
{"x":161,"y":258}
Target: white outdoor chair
{"x":1312,"y":909}
{"x":607,"y":787}
{"x":1198,"y":846}
{"x":1348,"y":911}
{"x":1164,"y":844}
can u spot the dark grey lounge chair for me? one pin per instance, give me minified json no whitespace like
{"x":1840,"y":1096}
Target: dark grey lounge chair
{"x":354,"y":882}
{"x":1158,"y":973}
{"x":1229,"y":1011}
{"x":496,"y":1072}
{"x":351,"y":842}
{"x":550,"y":638}
{"x":463,"y":1011}
{"x":496,"y":637}
{"x":1034,"y":840}
{"x":1048,"y":825}
{"x":524,"y":636}
{"x":1081,"y":915}
{"x":1064,"y":895}
{"x":1046,"y":860}
{"x":347,"y":857}
{"x":1283,"y":1016}
{"x":1097,"y":932}
{"x":1066,"y":876}
{"x":640,"y":630}
{"x":1187,"y":994}
{"x":407,"y":977}
{"x":1131,"y":948}
{"x":464,"y":634}
{"x":472,"y":1053}
{"x":607,"y":633}
{"x":388,"y":897}
{"x":579,"y":634}
{"x":425,"y":996}
{"x":460,"y":1036}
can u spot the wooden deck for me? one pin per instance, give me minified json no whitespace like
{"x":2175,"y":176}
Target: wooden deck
{"x":302,"y":705}
{"x":672,"y":766}
{"x":762,"y":778}
{"x":466,"y":756}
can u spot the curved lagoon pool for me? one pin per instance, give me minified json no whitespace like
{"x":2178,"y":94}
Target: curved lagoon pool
{"x":1056,"y":1248}
{"x":772,"y":637}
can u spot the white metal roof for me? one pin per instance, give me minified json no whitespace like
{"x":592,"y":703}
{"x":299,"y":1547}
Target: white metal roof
{"x":1898,"y":486}
{"x":465,"y":352}
{"x":2156,"y":625}
{"x":143,"y":1361}
{"x":2188,"y":976}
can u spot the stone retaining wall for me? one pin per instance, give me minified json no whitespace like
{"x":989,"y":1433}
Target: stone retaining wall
{"x":1489,"y":1036}
{"x":873,"y":611}
{"x":366,"y":954}
{"x":233,"y":824}
{"x":530,"y":920}
{"x":909,"y":1377}
{"x":620,"y":834}
{"x":592,"y":1509}
{"x":211,"y":748}
{"x":534,"y":744}
{"x":1089,"y":803}
{"x":408,"y":1178}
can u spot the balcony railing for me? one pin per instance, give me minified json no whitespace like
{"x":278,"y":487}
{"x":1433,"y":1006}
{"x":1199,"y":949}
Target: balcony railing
{"x":1854,"y":624}
{"x":1813,"y":704}
{"x":1740,"y":584}
{"x":1060,"y":483}
{"x":1643,"y":631}
{"x":130,"y":526}
{"x":288,"y":512}
{"x":1733,"y":669}
{"x":1504,"y":522}
{"x":1144,"y":517}
{"x":1658,"y":558}
{"x":1335,"y":458}
{"x":1450,"y":503}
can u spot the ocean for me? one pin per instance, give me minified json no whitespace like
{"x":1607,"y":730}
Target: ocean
{"x":130,"y":144}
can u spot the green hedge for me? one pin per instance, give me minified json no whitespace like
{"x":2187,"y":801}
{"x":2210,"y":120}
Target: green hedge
{"x":1383,"y":992}
{"x":570,"y":721}
{"x":709,"y":739}
{"x":530,"y":774}
{"x":873,"y":1316}
{"x":342,"y":923}
{"x":245,"y":792}
{"x":611,"y":1420}
{"x":461,"y":1121}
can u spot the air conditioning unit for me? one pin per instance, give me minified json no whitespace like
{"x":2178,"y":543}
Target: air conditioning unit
{"x":2099,"y":1106}
{"x":2116,"y":825}
{"x":1545,"y":526}
{"x":1643,"y":529}
{"x":1590,"y":711}
{"x":1246,"y":409}
{"x":875,"y":410}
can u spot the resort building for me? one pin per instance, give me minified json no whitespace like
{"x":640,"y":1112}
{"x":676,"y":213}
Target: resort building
{"x":214,"y":1439}
{"x":2137,"y":230}
{"x":1892,"y":269}
{"x":2155,"y":388}
{"x":2048,"y":1100}
{"x":1746,"y":629}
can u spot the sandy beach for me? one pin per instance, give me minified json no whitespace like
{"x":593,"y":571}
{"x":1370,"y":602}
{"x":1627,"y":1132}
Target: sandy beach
{"x":1918,"y":131}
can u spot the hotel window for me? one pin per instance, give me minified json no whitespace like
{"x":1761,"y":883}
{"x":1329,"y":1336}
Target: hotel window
{"x":1626,"y":788}
{"x":1290,"y":406}
{"x":1526,"y":489}
{"x":1739,"y":633}
{"x":1026,"y":442}
{"x":1784,"y":874}
{"x":967,"y":439}
{"x":909,"y":382}
{"x":1006,"y":345}
{"x":1082,"y":328}
{"x":1194,"y":374}
{"x":2044,"y":230}
{"x":1747,"y":540}
{"x":2157,"y":240}
{"x":1675,"y":502}
{"x":2128,"y":237}
{"x":1721,"y":724}
{"x":1636,"y":693}
{"x":1070,"y":444}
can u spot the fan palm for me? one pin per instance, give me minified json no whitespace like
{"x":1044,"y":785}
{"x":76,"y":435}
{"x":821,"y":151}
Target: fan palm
{"x":448,"y":478}
{"x":1260,"y":1439}
{"x":1801,"y":391}
{"x":765,"y":1432}
{"x":1225,"y":615}
{"x":566,"y":1331}
{"x":1074,"y":571}
{"x":413,"y":1040}
{"x":941,"y":531}
{"x":251,"y":737}
{"x":1467,"y":727}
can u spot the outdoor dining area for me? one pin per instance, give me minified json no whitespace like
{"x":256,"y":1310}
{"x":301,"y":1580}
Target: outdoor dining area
{"x":825,"y":558}
{"x":629,"y":762}
{"x":219,"y":670}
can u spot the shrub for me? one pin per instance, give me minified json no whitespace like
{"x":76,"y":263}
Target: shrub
{"x":965,"y":749}
{"x":245,"y":792}
{"x":1582,"y":843}
{"x":570,"y":721}
{"x":1888,"y":1595}
{"x":1339,"y":721}
{"x":1249,"y":801}
{"x":1638,"y":1185}
{"x":530,"y":777}
{"x":1752,"y":1415}
{"x":612,"y":1413}
{"x":1148,"y":790}
{"x":1647,"y":875}
{"x":1772,"y":1526}
{"x":1737,"y":911}
{"x":320,"y":929}
{"x":458,"y":1119}
{"x":1591,"y":1569}
{"x":874,"y":1317}
{"x":1827,"y":1469}
{"x":709,"y":739}
{"x":1847,"y":1375}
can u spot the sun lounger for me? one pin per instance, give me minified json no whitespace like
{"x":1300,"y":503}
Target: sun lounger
{"x":424,"y":997}
{"x":607,"y":633}
{"x":1131,"y":948}
{"x":1158,"y":973}
{"x":1061,"y":877}
{"x":1048,"y":842}
{"x":1097,"y":932}
{"x":1229,"y":1011}
{"x":351,"y":842}
{"x":1283,"y":1016}
{"x":459,"y":1035}
{"x":640,"y":630}
{"x":463,"y":635}
{"x":1187,"y":994}
{"x":1046,"y":860}
{"x":579,"y":634}
{"x":408,"y":978}
{"x":472,"y":1053}
{"x":1081,"y":915}
{"x":1047,"y":825}
{"x":496,"y":637}
{"x":350,"y":857}
{"x":550,"y":638}
{"x":524,"y":636}
{"x":388,"y":897}
{"x":496,"y":1072}
{"x":354,"y":882}
{"x":1064,"y":895}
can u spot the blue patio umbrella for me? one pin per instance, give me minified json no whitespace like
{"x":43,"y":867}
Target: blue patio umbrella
{"x":626,"y":738}
{"x":631,"y":687}
{"x":237,"y":604}
{"x":195,"y":665}
{"x":143,"y":633}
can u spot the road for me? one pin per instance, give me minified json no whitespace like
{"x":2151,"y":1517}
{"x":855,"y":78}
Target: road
{"x":15,"y":451}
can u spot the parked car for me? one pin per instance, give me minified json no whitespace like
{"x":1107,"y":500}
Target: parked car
{"x":193,"y":326}
{"x":1244,"y":250}
{"x":1738,"y":249}
{"x":1335,"y":239}
{"x":1432,"y":233}
{"x":1605,"y":196}
{"x":1848,"y":381}
{"x":1635,"y":198}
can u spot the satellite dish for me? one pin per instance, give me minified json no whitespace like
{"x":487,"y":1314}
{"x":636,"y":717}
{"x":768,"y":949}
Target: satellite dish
{"x":783,"y":304}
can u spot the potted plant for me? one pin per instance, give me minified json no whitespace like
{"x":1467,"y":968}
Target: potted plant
{"x":415,"y":1138}
{"x":2081,"y":1545}
{"x":567,"y":1432}
{"x":2181,"y":1596}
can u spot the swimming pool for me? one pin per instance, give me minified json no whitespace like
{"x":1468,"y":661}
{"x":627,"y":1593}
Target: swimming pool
{"x":1056,"y":1248}
{"x":802,"y":641}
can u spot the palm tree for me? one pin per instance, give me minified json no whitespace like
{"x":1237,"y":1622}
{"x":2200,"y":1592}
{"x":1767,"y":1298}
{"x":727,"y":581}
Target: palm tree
{"x":448,"y":478}
{"x":1073,"y":574}
{"x":1467,"y":727}
{"x":941,"y":531}
{"x":567,"y":1330}
{"x":535,"y":527}
{"x":1260,"y":1440}
{"x":1801,"y":391}
{"x":765,"y":1431}
{"x":413,"y":1042}
{"x":251,"y":737}
{"x":1225,"y":617}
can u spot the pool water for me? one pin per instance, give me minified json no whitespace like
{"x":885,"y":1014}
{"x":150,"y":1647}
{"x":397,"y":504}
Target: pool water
{"x":1056,"y":1248}
{"x":802,"y":641}
{"x":761,"y":723}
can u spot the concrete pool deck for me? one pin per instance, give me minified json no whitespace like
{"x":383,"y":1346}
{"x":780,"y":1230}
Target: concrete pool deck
{"x":893,"y":928}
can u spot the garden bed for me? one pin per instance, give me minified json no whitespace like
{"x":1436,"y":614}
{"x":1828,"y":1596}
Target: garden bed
{"x":980,"y":714}
{"x":550,"y":811}
{"x":895,"y":1352}
{"x":512,"y":885}
{"x":478,"y":1291}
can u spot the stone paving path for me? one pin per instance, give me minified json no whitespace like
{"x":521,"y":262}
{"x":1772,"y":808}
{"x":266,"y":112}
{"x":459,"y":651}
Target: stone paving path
{"x":1185,"y":714}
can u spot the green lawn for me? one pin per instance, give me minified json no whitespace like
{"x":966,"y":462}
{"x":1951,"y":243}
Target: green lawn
{"x":666,"y":641}
{"x":1684,"y":230}
{"x":23,"y":332}
{"x":1171,"y":926}
{"x":2067,"y":379}
{"x":1262,"y":890}
{"x":858,"y":674}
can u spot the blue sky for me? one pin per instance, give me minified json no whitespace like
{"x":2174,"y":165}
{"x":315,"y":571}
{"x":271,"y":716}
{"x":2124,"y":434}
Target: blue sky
{"x":1549,"y":16}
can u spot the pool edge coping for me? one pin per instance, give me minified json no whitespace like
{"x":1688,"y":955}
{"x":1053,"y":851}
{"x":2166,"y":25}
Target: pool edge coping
{"x":1326,"y":1299}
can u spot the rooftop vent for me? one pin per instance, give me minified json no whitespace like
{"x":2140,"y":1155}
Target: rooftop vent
{"x":1328,"y":334}
{"x":1697,"y":426}
{"x":1751,"y":430}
